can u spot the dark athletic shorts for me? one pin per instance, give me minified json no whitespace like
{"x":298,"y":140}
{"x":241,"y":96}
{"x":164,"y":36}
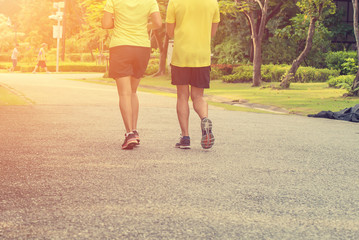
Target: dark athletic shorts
{"x":41,"y":64}
{"x":194,"y":76}
{"x":128,"y":61}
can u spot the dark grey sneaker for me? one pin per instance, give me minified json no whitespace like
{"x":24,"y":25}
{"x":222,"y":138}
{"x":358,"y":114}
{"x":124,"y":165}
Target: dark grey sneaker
{"x":207,"y":135}
{"x":184,"y":143}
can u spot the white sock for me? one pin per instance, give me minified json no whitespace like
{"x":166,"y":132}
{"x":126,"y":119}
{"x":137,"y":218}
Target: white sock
{"x":128,"y":133}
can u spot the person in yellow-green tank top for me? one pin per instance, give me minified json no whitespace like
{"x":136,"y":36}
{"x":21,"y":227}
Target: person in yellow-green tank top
{"x":192,"y":24}
{"x":41,"y":58}
{"x":129,"y":54}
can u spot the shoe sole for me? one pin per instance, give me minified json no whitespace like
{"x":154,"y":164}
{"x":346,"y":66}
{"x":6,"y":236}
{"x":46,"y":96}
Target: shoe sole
{"x":185,"y":147}
{"x":130,"y":145}
{"x":208,"y":138}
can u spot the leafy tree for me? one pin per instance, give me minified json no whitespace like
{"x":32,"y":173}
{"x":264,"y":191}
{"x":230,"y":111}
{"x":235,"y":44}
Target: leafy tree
{"x":295,"y":34}
{"x":92,"y":33}
{"x":33,"y":20}
{"x":6,"y":36}
{"x":72,"y":21}
{"x":315,"y":11}
{"x":161,"y":39}
{"x":257,"y":13}
{"x":355,"y":86}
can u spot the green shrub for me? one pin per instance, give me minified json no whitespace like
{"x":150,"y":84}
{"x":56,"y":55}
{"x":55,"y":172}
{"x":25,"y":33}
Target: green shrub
{"x":241,"y":75}
{"x":216,"y":73}
{"x":335,"y":60}
{"x":337,"y":82}
{"x":74,"y":57}
{"x":152,"y":67}
{"x":350,"y":66}
{"x":274,"y":73}
{"x":68,"y":67}
{"x":87,"y":57}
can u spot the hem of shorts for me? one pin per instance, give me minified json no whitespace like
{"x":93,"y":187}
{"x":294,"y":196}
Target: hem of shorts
{"x":121,"y":76}
{"x":189,"y":66}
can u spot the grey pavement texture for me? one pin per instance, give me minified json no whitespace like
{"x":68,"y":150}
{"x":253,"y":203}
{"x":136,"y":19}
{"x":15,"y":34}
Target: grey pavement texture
{"x":63,"y":174}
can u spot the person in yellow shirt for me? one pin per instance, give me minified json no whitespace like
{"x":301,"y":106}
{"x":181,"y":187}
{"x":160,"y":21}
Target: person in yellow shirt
{"x":129,"y":54}
{"x":192,"y":23}
{"x":14,"y":57}
{"x":41,"y":58}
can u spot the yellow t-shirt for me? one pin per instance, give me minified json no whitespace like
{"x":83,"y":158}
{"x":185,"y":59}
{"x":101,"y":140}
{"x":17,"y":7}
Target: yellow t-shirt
{"x":192,"y":34}
{"x":131,"y":18}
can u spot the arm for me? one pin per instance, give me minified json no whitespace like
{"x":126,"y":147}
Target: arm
{"x":214,"y":29}
{"x":107,"y":20}
{"x":170,"y":29}
{"x":155,"y":22}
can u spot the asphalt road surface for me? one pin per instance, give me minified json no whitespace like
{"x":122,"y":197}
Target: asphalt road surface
{"x":63,"y":174}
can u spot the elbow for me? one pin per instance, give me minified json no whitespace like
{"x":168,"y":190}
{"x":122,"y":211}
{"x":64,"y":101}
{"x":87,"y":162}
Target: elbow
{"x":157,"y":25}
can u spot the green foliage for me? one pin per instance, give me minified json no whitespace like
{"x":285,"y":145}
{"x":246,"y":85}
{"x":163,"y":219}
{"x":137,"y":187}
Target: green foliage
{"x":296,"y":34}
{"x":232,"y":41}
{"x":335,"y":60}
{"x":343,"y":81}
{"x":229,"y":52}
{"x":33,"y":20}
{"x":350,"y":66}
{"x":216,"y":73}
{"x":152,"y":66}
{"x":315,"y":8}
{"x":274,"y":73}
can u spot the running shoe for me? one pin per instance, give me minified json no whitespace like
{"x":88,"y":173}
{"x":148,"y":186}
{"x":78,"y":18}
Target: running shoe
{"x":130,"y":141}
{"x":207,"y":135}
{"x":137,"y":136}
{"x":184,"y":143}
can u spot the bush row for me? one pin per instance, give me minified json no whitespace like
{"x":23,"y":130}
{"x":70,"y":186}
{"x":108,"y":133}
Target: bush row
{"x":74,"y":57}
{"x":274,"y":73}
{"x":340,"y":81}
{"x":72,"y":67}
{"x":62,"y":68}
{"x":335,"y":60}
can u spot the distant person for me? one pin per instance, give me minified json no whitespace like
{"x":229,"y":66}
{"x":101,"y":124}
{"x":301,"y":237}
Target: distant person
{"x":129,"y":54}
{"x":41,"y":58}
{"x":192,"y":23}
{"x":14,"y":56}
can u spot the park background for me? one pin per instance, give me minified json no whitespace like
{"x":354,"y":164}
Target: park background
{"x":256,"y":44}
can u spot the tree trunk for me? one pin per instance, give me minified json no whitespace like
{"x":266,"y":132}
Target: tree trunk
{"x":296,"y":63}
{"x":355,"y":86}
{"x":257,"y":63}
{"x":163,"y":47}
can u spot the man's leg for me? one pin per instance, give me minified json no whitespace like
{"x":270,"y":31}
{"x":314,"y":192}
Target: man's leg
{"x":183,"y":108}
{"x":199,"y":104}
{"x":125,"y":95}
{"x":201,"y":107}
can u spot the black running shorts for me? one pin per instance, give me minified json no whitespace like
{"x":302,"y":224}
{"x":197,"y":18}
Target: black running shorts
{"x":128,"y":61}
{"x":195,"y":76}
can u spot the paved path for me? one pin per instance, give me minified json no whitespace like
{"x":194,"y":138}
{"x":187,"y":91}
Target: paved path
{"x":64,"y":176}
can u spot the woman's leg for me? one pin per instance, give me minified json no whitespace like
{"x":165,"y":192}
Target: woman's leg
{"x":125,"y":101}
{"x":134,"y":101}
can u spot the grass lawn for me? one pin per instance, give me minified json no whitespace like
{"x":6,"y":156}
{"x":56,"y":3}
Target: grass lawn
{"x":300,"y":98}
{"x":9,"y":98}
